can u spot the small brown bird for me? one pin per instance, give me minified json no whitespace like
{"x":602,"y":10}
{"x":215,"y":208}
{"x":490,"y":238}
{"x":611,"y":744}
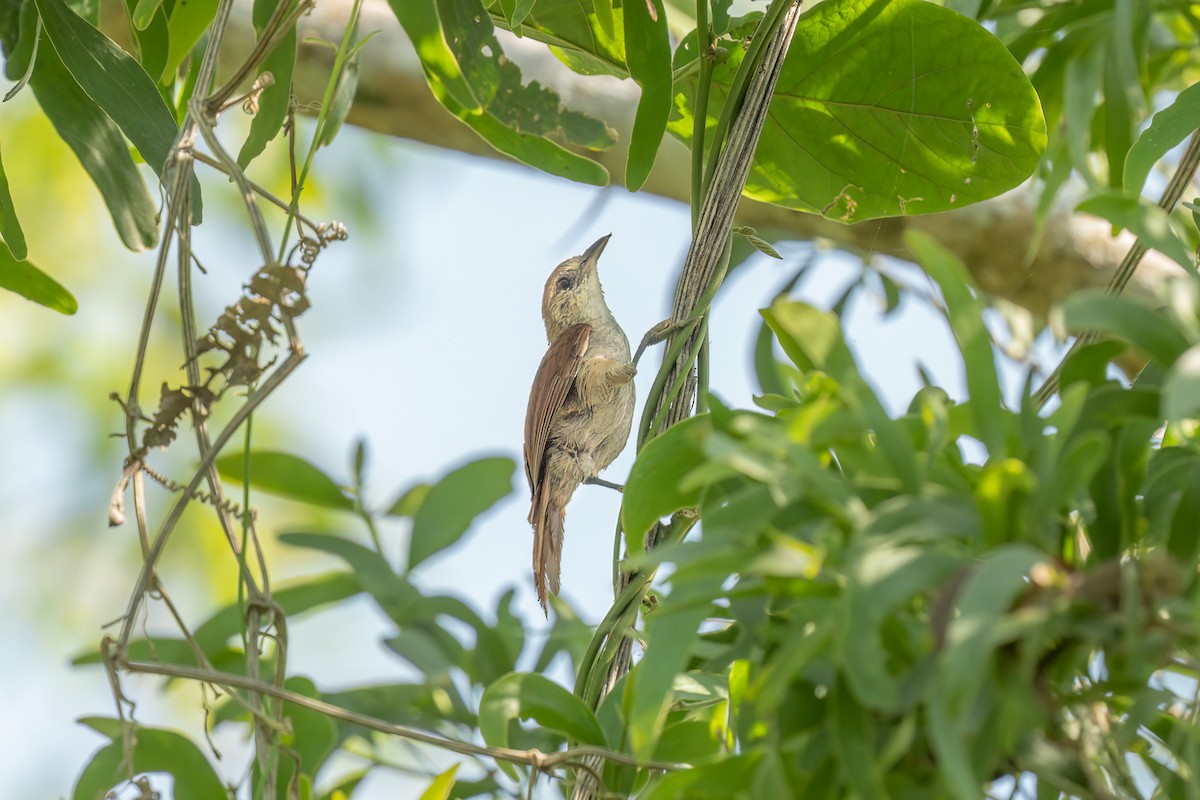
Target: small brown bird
{"x":581,"y":406}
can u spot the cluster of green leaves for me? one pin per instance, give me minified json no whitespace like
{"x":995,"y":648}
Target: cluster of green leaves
{"x":1098,"y":67}
{"x":454,"y":652}
{"x":886,"y":618}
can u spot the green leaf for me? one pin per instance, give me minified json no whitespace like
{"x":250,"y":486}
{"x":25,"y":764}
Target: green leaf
{"x":453,"y":503}
{"x":441,"y":786}
{"x":409,"y":501}
{"x":421,"y":22}
{"x":670,"y":634}
{"x":274,"y":100}
{"x":648,"y":56}
{"x":144,"y":12}
{"x":287,"y":476}
{"x":887,"y":108}
{"x":761,"y":245}
{"x":515,"y":12}
{"x":727,"y":778}
{"x":517,"y":117}
{"x":1168,"y":128}
{"x":100,"y":148}
{"x":965,"y":315}
{"x":653,"y":487}
{"x":971,"y":636}
{"x":813,"y":339}
{"x":343,"y":95}
{"x":31,"y":283}
{"x":1181,"y":389}
{"x":1149,"y":222}
{"x":151,"y":34}
{"x":312,"y":736}
{"x":375,"y":575}
{"x":880,"y":580}
{"x":117,"y":83}
{"x":855,"y":735}
{"x":10,"y":226}
{"x":525,"y":695}
{"x":294,"y":598}
{"x":154,"y":750}
{"x":587,"y":37}
{"x":1129,"y":319}
{"x":189,"y":21}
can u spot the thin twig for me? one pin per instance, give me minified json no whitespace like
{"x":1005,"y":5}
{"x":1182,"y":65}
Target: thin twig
{"x":262,"y":192}
{"x":529,"y":758}
{"x":269,"y":385}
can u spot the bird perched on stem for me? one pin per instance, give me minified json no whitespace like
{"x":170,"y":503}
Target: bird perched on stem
{"x":580,"y":408}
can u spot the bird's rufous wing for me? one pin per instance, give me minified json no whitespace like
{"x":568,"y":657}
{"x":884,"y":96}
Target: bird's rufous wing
{"x":551,"y":386}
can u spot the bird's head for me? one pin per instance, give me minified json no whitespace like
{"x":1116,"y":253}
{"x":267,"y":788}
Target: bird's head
{"x":573,"y":293}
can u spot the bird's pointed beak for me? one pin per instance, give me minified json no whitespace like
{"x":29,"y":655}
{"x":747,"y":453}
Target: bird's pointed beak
{"x":591,"y":256}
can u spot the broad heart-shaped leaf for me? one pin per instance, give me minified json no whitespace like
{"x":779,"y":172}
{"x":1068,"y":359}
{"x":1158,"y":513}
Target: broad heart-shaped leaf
{"x":31,"y":283}
{"x":653,"y":488}
{"x":649,"y":59}
{"x":10,"y":226}
{"x":453,"y":502}
{"x":517,"y":117}
{"x":100,"y":148}
{"x":887,"y":107}
{"x":1168,"y":128}
{"x":273,"y":102}
{"x":154,"y":750}
{"x":288,"y":476}
{"x":117,"y":83}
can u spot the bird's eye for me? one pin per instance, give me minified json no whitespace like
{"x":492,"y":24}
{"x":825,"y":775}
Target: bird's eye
{"x":565,"y":283}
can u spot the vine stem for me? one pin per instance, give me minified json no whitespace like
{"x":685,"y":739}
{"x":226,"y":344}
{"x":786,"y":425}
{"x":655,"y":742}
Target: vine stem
{"x":1180,"y":180}
{"x":729,"y":157}
{"x":529,"y":758}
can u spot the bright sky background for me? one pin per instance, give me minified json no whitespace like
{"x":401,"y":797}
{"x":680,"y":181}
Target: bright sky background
{"x":423,"y":338}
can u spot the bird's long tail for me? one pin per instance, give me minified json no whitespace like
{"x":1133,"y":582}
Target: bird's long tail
{"x":547,"y":522}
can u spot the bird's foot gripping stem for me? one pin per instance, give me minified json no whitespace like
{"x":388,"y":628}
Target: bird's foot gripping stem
{"x":655,"y":335}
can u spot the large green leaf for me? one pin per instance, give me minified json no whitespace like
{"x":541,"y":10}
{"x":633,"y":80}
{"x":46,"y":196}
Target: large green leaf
{"x":10,"y":226}
{"x":453,"y":502}
{"x":653,"y":488}
{"x":887,"y":107}
{"x":1168,"y":128}
{"x":286,"y":475}
{"x":273,"y":102}
{"x":1181,"y":389}
{"x":116,"y":82}
{"x":525,"y":695}
{"x":100,"y":148}
{"x":964,"y":312}
{"x":31,"y":283}
{"x":649,"y":61}
{"x":154,"y":750}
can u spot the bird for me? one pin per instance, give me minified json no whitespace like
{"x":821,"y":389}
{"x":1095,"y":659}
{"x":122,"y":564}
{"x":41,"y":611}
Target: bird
{"x":580,"y":407}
